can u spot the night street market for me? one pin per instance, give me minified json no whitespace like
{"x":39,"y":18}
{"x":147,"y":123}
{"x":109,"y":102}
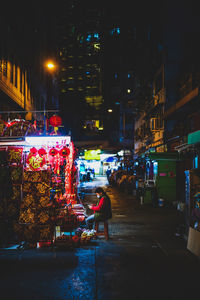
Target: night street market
{"x":99,"y":150}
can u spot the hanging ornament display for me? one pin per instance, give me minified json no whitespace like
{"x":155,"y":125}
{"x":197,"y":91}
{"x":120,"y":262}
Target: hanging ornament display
{"x":33,"y":151}
{"x":55,"y":121}
{"x":53,"y":151}
{"x":64,"y":152}
{"x":42,"y":152}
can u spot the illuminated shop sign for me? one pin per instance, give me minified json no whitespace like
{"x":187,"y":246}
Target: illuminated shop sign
{"x":92,"y":154}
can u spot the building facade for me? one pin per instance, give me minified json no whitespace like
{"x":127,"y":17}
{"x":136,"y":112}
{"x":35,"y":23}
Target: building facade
{"x":25,"y":85}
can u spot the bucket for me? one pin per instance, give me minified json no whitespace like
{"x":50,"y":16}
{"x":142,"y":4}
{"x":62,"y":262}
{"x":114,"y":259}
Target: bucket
{"x":161,"y":202}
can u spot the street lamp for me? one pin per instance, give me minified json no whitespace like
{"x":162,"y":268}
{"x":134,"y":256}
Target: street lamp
{"x":50,"y":67}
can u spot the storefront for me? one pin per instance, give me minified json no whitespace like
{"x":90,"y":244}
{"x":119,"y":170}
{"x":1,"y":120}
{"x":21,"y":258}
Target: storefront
{"x":160,"y":178}
{"x":192,"y":194}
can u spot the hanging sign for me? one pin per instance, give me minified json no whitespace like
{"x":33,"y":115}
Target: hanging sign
{"x":35,"y":162}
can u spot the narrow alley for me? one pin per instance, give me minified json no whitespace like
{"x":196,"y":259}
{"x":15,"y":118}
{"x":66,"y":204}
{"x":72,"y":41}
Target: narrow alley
{"x":143,"y":259}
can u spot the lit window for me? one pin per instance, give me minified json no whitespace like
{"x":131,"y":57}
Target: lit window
{"x":115,"y":75}
{"x":195,"y":162}
{"x":129,"y":75}
{"x":96,"y":35}
{"x":115,"y":31}
{"x":128,"y":91}
{"x":88,"y":38}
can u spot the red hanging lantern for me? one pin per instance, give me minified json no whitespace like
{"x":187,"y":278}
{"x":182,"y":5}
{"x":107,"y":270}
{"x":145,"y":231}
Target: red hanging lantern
{"x":64,"y":151}
{"x":55,"y":121}
{"x":42,"y":152}
{"x":33,"y":151}
{"x":53,"y":151}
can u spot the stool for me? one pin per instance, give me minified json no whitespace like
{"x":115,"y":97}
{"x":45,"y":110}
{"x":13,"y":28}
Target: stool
{"x":105,"y":232}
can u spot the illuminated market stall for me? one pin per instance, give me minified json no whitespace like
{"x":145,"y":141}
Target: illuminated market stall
{"x":39,"y":199}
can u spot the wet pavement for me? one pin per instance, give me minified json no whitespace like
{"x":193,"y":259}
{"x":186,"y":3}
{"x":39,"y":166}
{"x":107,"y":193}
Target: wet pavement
{"x":143,"y":259}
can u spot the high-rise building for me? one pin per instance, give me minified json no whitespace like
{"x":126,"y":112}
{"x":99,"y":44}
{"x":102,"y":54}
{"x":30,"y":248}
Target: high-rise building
{"x":98,"y":48}
{"x":91,"y":54}
{"x":79,"y":39}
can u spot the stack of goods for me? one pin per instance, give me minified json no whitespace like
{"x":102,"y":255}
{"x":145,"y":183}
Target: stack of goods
{"x":85,"y":235}
{"x":34,"y":209}
{"x":66,"y":219}
{"x":79,"y":211}
{"x":10,"y":193}
{"x":81,"y":237}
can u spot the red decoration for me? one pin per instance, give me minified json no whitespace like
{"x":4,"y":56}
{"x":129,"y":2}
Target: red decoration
{"x":75,"y":238}
{"x":55,"y":121}
{"x":42,"y":151}
{"x":64,"y":151}
{"x":15,"y":154}
{"x":33,"y":151}
{"x":35,"y":162}
{"x":53,"y":151}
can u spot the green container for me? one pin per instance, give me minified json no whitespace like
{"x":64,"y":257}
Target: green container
{"x":165,"y":179}
{"x":147,"y":196}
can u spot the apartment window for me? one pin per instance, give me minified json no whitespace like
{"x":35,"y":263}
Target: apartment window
{"x":3,"y":67}
{"x":21,"y":80}
{"x":153,"y":124}
{"x":115,"y":31}
{"x":195,"y":162}
{"x":16,"y":76}
{"x":11,"y":73}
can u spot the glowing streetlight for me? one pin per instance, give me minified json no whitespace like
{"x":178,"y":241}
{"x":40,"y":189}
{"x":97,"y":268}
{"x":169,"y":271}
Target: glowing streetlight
{"x":50,"y":65}
{"x":109,"y":110}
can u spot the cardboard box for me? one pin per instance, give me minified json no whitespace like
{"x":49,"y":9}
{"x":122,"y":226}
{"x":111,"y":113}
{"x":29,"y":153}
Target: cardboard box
{"x":193,"y":243}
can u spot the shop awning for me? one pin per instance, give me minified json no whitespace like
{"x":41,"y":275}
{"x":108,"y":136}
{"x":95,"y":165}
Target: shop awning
{"x":164,"y":156}
{"x":194,"y":137}
{"x":110,"y":159}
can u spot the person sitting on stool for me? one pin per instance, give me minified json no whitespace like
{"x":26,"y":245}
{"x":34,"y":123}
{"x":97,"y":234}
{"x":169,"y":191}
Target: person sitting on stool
{"x":102,"y":210}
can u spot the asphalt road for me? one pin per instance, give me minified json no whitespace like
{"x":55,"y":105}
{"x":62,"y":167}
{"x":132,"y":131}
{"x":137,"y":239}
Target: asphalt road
{"x":144,"y":259}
